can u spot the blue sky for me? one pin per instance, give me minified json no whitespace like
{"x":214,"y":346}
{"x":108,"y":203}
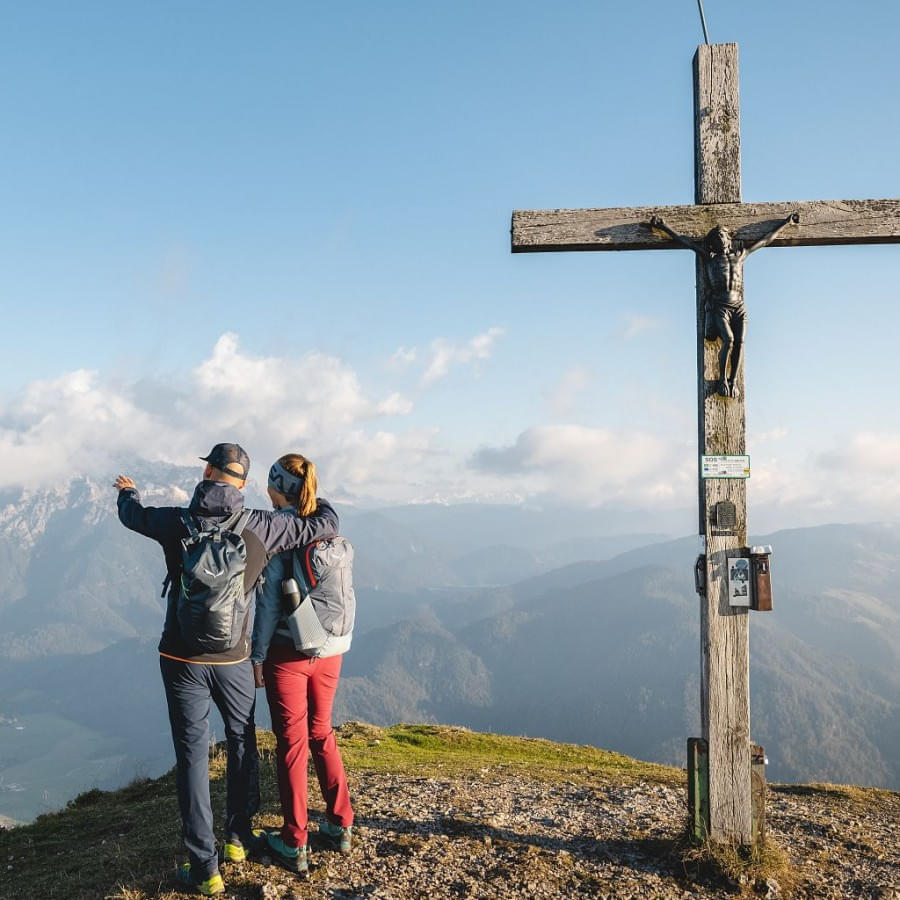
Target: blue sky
{"x":287,"y":224}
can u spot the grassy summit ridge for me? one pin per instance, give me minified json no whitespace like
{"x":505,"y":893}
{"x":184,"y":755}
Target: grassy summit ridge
{"x":432,"y":749}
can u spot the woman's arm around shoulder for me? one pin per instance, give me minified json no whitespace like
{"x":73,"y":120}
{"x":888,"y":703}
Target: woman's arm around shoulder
{"x":280,"y":532}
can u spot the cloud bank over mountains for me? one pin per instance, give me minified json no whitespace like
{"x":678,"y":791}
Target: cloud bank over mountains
{"x":370,"y":449}
{"x":85,"y":423}
{"x":586,"y":464}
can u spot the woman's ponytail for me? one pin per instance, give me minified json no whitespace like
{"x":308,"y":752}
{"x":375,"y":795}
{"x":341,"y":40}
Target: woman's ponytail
{"x":305,"y":470}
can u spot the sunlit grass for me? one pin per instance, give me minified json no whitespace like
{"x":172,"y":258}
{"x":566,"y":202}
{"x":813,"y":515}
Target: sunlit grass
{"x":441,"y":748}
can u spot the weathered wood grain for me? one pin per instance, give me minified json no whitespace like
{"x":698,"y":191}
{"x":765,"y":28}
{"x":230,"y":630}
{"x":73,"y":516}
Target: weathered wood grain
{"x":717,"y":125}
{"x":724,"y":631}
{"x":822,"y":223}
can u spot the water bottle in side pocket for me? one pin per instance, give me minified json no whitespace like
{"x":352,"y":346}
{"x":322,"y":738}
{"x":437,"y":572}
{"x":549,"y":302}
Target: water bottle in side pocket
{"x":303,"y":623}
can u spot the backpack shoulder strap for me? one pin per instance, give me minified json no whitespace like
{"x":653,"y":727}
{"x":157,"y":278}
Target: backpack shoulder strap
{"x":306,"y":553}
{"x":299,"y":565}
{"x":188,"y":520}
{"x":238,"y":522}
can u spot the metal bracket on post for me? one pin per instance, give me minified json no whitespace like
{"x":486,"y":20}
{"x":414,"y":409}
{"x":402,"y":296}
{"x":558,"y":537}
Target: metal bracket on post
{"x":700,"y":575}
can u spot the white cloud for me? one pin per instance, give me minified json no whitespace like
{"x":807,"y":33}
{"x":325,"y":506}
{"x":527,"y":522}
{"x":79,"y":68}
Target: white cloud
{"x":563,"y":396}
{"x":394,"y":405}
{"x":444,"y":353}
{"x":765,"y":437}
{"x":856,"y":478}
{"x":85,"y":423}
{"x":285,"y":397}
{"x":637,"y":324}
{"x":593,"y":465}
{"x":384,"y":463}
{"x":81,"y":423}
{"x":870,"y":452}
{"x":402,"y":358}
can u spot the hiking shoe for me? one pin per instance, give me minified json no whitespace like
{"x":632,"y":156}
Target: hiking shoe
{"x":236,"y":850}
{"x":233,"y":851}
{"x":212,"y":885}
{"x":339,"y":835}
{"x":294,"y":859}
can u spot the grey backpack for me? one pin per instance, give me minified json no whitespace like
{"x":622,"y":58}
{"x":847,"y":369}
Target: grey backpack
{"x":212,"y":606}
{"x":324,"y":572}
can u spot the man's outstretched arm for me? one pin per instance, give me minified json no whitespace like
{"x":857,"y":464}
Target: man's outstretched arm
{"x":151,"y":521}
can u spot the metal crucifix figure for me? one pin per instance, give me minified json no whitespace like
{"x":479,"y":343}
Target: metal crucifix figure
{"x":723,"y":265}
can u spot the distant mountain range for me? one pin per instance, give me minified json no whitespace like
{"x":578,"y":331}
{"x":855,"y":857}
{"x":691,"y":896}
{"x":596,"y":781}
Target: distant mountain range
{"x":509,"y":619}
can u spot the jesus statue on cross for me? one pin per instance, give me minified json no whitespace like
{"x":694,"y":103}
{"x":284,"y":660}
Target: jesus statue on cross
{"x":723,"y":264}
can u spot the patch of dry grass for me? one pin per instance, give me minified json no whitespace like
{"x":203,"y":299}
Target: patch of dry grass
{"x":745,"y":868}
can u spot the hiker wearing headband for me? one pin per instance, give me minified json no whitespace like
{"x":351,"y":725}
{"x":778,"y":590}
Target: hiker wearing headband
{"x":292,"y":483}
{"x":300,"y":683}
{"x":205,"y":646}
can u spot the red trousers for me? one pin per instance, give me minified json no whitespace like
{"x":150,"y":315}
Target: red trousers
{"x":300,"y":691}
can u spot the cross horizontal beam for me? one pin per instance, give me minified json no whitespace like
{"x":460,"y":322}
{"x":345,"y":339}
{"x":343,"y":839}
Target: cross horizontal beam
{"x":822,"y":222}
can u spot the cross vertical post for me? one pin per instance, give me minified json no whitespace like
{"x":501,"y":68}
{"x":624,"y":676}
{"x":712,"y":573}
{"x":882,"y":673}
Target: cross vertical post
{"x":724,"y":630}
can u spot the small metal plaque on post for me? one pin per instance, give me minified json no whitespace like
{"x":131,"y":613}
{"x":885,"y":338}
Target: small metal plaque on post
{"x":725,"y":513}
{"x":725,"y":466}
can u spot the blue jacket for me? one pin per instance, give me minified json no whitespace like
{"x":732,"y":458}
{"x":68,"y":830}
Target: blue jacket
{"x":266,"y":533}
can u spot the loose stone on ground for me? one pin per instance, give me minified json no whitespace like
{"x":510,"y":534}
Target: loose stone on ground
{"x":505,"y":835}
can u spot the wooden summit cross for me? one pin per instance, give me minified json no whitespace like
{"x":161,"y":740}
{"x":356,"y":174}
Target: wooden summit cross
{"x":724,"y":639}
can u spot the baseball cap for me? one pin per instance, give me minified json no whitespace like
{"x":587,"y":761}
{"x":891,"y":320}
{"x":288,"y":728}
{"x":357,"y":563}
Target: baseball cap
{"x":222,"y":456}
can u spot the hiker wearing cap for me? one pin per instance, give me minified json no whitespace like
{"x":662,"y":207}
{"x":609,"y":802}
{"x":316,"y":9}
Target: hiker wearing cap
{"x":214,"y":551}
{"x":305,"y":611}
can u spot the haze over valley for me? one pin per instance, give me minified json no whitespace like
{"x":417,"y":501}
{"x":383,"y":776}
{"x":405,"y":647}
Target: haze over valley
{"x":576,"y":625}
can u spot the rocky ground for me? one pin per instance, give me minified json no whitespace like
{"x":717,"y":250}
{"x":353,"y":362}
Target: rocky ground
{"x":491,"y":835}
{"x":444,"y":812}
